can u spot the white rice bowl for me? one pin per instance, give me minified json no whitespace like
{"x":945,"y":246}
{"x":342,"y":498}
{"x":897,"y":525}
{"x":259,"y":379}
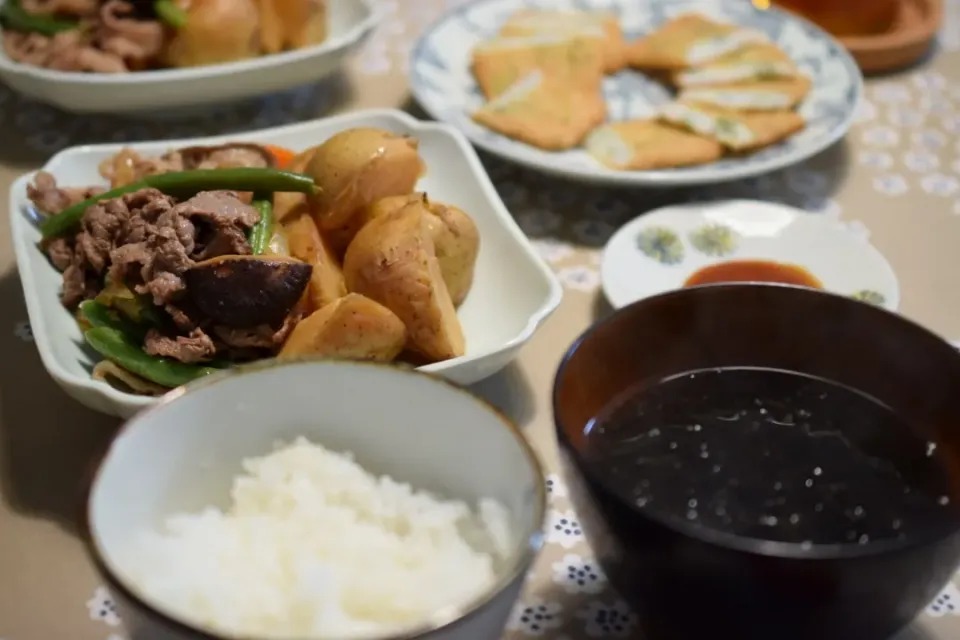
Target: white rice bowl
{"x":313,"y":545}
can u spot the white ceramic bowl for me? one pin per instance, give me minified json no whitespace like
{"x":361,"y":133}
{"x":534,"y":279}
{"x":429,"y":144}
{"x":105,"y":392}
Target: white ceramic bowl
{"x":513,"y":292}
{"x":350,"y":22}
{"x":183,"y":454}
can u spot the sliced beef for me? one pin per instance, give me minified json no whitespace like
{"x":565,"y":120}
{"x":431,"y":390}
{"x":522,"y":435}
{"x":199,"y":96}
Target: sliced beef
{"x":225,"y":156}
{"x":72,"y":56}
{"x":100,"y":226}
{"x":152,"y":211}
{"x":226,"y":241}
{"x":196,"y":347}
{"x":162,"y":287}
{"x":110,"y":39}
{"x":79,"y":283}
{"x":49,"y":198}
{"x":136,"y":239}
{"x":147,"y":242}
{"x":170,"y":161}
{"x":161,"y":276}
{"x":262,"y":337}
{"x":74,"y":286}
{"x":220,"y":209}
{"x":60,"y":252}
{"x":183,"y":316}
{"x":222,"y":220}
{"x":127,"y":262}
{"x":66,"y":51}
{"x":26,"y":48}
{"x":73,"y":50}
{"x":118,"y":33}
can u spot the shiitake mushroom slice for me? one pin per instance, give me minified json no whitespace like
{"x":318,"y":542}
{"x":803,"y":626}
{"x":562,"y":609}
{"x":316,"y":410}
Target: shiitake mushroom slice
{"x":247,"y":291}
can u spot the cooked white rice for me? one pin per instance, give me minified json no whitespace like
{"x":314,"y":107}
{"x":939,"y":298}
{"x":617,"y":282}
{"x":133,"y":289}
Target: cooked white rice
{"x":314,"y":545}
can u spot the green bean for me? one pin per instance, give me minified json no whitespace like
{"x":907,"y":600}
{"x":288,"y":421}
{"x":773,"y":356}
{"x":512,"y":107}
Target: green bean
{"x":13,"y":17}
{"x":261,"y":232}
{"x":259,"y":179}
{"x":185,"y":183}
{"x":113,"y":345}
{"x":170,"y":14}
{"x":100,"y":315}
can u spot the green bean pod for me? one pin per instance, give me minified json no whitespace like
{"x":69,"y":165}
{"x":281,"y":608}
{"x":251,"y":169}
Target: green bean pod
{"x":186,"y":183}
{"x":13,"y":17}
{"x":113,"y":345}
{"x":100,"y":315}
{"x":259,"y":179}
{"x":261,"y":232}
{"x":170,"y":13}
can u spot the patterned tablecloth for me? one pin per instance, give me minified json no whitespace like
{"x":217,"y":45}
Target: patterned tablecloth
{"x":896,"y":177}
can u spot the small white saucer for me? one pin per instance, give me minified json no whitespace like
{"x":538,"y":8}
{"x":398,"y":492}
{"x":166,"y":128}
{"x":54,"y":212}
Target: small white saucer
{"x":659,"y":250}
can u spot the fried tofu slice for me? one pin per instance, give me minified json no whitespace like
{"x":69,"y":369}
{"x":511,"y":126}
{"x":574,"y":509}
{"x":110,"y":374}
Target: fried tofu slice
{"x":543,"y":112}
{"x":737,"y":131}
{"x":530,"y":22}
{"x":689,"y":40}
{"x":643,"y":145}
{"x":764,"y":51}
{"x":749,"y":64}
{"x":760,"y":95}
{"x":574,"y":59}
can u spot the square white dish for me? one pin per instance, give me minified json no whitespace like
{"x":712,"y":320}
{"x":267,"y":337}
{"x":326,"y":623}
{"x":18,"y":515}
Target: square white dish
{"x":513,"y":293}
{"x":350,"y":22}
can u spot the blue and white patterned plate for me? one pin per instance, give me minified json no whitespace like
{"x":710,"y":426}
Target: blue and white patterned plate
{"x":442,"y":83}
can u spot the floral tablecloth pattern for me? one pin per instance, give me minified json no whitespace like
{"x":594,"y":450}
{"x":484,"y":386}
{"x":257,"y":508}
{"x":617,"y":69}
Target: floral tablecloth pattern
{"x":895,"y":179}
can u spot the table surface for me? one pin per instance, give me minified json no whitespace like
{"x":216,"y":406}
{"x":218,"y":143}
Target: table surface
{"x":896,"y":177}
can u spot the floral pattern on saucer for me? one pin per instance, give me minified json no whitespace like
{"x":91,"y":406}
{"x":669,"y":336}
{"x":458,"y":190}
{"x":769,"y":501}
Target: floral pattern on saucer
{"x":715,"y":240}
{"x":870,"y":297}
{"x":661,"y":244}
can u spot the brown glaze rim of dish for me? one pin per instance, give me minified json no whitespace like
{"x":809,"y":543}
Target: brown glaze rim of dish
{"x":908,"y":40}
{"x":453,"y":617}
{"x":747,"y":544}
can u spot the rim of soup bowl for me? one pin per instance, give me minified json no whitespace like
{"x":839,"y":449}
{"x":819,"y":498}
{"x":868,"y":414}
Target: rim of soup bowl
{"x":448,"y":618}
{"x":723,"y":539}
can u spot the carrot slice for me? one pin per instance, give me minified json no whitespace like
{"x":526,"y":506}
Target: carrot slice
{"x":281,"y":155}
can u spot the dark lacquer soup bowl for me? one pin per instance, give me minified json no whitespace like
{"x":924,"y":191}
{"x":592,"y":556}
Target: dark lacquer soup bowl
{"x":761,"y":461}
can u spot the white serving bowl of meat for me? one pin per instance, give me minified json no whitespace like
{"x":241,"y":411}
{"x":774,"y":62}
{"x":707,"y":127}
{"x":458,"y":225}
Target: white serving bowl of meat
{"x":126,"y":56}
{"x":369,"y":236}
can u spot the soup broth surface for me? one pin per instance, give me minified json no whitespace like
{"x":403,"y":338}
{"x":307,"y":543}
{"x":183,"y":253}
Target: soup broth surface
{"x":773,"y":455}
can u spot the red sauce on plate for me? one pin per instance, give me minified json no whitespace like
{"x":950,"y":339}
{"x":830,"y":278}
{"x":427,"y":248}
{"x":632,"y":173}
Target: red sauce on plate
{"x":754,"y":271}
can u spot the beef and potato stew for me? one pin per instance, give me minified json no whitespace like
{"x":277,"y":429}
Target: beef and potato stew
{"x":121,"y":36}
{"x":203,"y":257}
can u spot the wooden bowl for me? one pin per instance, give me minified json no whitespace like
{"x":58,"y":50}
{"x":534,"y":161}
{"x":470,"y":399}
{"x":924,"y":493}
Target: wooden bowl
{"x":690,"y":581}
{"x":906,"y":42}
